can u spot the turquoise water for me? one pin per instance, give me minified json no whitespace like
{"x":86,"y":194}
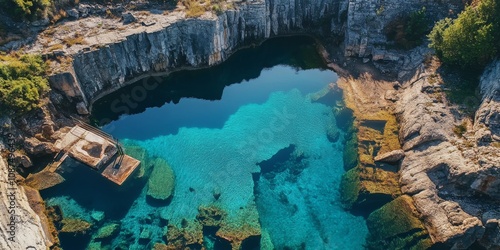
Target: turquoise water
{"x":250,"y":137}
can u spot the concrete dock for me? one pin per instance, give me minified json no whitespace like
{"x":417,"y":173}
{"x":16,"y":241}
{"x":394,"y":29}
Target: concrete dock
{"x":97,"y":150}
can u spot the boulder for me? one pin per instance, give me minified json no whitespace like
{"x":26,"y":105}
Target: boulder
{"x":22,"y":160}
{"x":391,"y":157}
{"x":364,"y":189}
{"x":37,"y":148}
{"x":81,"y":108}
{"x":47,"y":129}
{"x":75,"y":226}
{"x":107,"y":231}
{"x":128,"y":18}
{"x":73,"y":13}
{"x":396,"y":226}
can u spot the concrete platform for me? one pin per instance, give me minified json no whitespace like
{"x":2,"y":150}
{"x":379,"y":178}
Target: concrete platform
{"x":120,"y":175}
{"x":95,"y":149}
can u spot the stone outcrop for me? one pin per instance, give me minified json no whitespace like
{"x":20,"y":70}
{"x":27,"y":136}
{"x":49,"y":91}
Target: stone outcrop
{"x":369,"y":185}
{"x":391,"y":157}
{"x":396,"y":226}
{"x":445,"y":172}
{"x":487,"y":125}
{"x":161,"y":182}
{"x":28,"y":229}
{"x":111,"y":59}
{"x":367,"y":19}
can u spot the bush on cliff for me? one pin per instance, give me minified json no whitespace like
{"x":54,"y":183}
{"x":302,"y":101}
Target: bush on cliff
{"x":28,"y":9}
{"x":22,"y":82}
{"x":472,"y":39}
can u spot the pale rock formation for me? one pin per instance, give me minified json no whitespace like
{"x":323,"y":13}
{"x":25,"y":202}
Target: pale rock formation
{"x":28,"y":229}
{"x":445,"y":173}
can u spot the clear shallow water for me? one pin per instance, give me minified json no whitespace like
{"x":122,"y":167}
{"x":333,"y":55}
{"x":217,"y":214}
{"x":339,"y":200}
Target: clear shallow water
{"x":247,"y":130}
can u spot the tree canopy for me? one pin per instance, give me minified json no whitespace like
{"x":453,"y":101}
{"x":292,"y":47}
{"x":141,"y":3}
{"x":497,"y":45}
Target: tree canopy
{"x":472,"y":39}
{"x":22,"y":82}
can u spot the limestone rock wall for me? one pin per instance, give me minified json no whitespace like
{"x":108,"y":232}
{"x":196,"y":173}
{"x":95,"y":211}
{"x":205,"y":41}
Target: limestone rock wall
{"x":367,"y":19}
{"x":198,"y":42}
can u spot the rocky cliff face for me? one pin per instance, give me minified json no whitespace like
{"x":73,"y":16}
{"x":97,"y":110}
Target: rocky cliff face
{"x":452,"y":177}
{"x":111,"y":59}
{"x":175,"y":42}
{"x":367,"y":19}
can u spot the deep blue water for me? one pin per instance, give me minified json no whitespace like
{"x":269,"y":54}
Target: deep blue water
{"x":251,"y":130}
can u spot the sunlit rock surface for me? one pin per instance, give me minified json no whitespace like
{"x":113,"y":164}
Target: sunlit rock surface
{"x":28,"y":229}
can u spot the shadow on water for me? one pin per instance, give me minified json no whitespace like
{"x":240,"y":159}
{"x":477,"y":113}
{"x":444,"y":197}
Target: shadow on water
{"x":209,"y":83}
{"x":94,"y":192}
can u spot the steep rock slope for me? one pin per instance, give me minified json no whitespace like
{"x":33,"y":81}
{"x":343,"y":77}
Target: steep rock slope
{"x":452,"y":178}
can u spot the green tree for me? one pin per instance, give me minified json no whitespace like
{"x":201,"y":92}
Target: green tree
{"x":26,"y":9}
{"x":22,"y":82}
{"x":471,"y":40}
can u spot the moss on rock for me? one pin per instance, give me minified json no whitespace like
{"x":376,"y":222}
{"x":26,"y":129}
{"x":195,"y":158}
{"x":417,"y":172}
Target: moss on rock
{"x":350,"y":153}
{"x":160,"y":246}
{"x":210,"y":216}
{"x":43,"y":180}
{"x":107,"y":231}
{"x":396,"y":226}
{"x":189,"y":234}
{"x":70,"y":225}
{"x":161,"y":181}
{"x":364,"y":189}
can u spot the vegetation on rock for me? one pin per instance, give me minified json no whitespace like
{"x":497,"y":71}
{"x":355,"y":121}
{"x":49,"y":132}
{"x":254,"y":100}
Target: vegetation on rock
{"x":408,"y":31}
{"x":472,"y":39}
{"x":108,"y":231}
{"x":196,"y":8}
{"x":22,"y":82}
{"x":75,"y":226}
{"x":396,"y":226}
{"x":161,"y":181}
{"x":31,"y":9}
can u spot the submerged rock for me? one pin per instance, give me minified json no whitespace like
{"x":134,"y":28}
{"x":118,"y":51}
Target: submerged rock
{"x":97,"y":215}
{"x":210,"y":216}
{"x":161,"y":182}
{"x":396,"y":226}
{"x":43,"y":180}
{"x":107,"y":231}
{"x":265,"y":241}
{"x":333,"y":133}
{"x":364,"y":189}
{"x":190,"y":234}
{"x":350,"y":153}
{"x":70,"y":225}
{"x":160,"y":246}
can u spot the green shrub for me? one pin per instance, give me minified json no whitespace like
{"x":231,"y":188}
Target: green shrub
{"x":408,"y":31}
{"x":22,"y":82}
{"x":471,"y":40}
{"x":26,"y":9}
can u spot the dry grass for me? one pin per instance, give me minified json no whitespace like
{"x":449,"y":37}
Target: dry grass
{"x":56,"y":47}
{"x":77,"y":38}
{"x":194,"y":8}
{"x":61,"y":14}
{"x":461,"y":129}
